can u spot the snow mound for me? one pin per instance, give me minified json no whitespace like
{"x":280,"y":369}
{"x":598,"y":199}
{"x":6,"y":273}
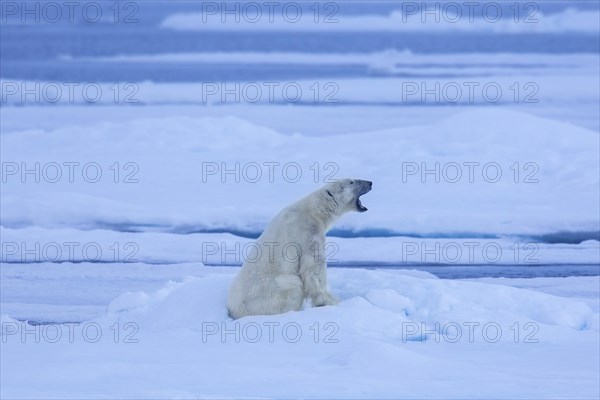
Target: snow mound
{"x":393,"y":306}
{"x":176,"y":305}
{"x":394,"y":335}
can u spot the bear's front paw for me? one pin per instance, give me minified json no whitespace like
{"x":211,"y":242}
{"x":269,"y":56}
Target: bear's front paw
{"x":325,"y":300}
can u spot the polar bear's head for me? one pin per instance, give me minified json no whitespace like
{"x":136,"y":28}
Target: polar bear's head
{"x":345,"y":193}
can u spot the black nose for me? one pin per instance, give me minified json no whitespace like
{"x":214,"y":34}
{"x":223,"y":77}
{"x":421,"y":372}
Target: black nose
{"x":370,"y":184}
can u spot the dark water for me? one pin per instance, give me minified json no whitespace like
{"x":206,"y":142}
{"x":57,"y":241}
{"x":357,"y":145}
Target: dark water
{"x":567,"y":237}
{"x":481,"y":271}
{"x":496,"y":271}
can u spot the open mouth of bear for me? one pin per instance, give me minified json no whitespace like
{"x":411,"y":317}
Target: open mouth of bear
{"x":359,"y":205}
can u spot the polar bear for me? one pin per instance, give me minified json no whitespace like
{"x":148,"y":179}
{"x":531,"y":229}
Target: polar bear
{"x":287,"y":264}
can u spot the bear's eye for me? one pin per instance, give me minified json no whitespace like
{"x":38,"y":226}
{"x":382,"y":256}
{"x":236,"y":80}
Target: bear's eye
{"x":352,"y":182}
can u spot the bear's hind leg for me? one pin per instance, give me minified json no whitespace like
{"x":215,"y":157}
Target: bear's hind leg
{"x":280,"y":295}
{"x":289,"y":296}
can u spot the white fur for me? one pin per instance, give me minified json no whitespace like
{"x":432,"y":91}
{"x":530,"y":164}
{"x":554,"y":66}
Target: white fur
{"x":288,"y":262}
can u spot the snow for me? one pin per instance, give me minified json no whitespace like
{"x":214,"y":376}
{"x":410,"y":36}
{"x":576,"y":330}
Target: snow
{"x":103,"y":327}
{"x":124,"y":218}
{"x":437,"y":18}
{"x":581,"y":288}
{"x":395,"y":334}
{"x":529,"y":164}
{"x":463,"y":79}
{"x":415,"y":62}
{"x":36,"y":244}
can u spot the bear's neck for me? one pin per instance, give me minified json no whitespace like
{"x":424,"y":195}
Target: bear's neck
{"x":324,"y":208}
